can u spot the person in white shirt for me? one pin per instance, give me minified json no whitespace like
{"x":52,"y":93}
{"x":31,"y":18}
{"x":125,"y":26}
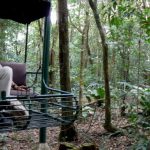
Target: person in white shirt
{"x":6,"y":75}
{"x":6,"y":83}
{"x":17,"y":109}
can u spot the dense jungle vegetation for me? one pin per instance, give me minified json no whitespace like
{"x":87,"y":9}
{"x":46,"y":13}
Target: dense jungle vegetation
{"x":109,"y":59}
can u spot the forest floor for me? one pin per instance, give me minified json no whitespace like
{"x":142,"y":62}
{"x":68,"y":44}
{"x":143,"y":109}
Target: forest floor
{"x":90,"y":130}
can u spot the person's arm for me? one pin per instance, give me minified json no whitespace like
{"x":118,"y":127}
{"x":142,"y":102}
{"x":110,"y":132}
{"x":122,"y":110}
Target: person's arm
{"x":16,"y":87}
{"x":13,"y":85}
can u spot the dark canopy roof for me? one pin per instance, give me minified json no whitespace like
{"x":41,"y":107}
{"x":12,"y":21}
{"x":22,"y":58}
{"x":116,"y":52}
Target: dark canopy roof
{"x":24,"y":11}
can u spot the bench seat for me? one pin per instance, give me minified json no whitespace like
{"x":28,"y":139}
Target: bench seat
{"x":19,"y":77}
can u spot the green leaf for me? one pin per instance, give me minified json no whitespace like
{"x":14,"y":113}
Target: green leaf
{"x":116,"y":21}
{"x":101,"y":92}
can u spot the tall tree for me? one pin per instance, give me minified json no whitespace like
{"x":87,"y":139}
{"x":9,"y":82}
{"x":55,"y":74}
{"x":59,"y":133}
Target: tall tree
{"x":85,"y":49}
{"x":67,"y":133}
{"x":53,"y":55}
{"x":108,"y":126}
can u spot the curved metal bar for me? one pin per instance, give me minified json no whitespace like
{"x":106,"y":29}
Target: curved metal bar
{"x":41,"y":96}
{"x":56,"y":90}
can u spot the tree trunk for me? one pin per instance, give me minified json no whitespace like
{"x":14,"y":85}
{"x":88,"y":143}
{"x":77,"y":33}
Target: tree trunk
{"x":52,"y":66}
{"x":83,"y":59}
{"x":52,"y":55}
{"x":67,"y":133}
{"x":124,"y":72}
{"x":81,"y":78}
{"x":107,"y":125}
{"x":87,"y":25}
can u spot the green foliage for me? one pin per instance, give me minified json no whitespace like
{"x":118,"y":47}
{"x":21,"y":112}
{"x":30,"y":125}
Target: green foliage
{"x":98,"y":93}
{"x":145,"y":102}
{"x":145,"y":22}
{"x":117,"y":21}
{"x":133,"y":118}
{"x":127,"y":27}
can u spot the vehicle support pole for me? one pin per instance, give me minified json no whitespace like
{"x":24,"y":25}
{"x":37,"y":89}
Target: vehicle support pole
{"x":45,"y":65}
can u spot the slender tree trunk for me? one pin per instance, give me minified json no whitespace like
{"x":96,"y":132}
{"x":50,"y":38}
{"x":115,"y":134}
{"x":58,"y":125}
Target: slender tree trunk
{"x":107,"y":125}
{"x":81,"y":70}
{"x":52,"y":70}
{"x":81,"y":78}
{"x":40,"y":24}
{"x":52,"y":55}
{"x":99,"y":66}
{"x":124,"y":72}
{"x":87,"y":47}
{"x":67,"y":133}
{"x":83,"y":58}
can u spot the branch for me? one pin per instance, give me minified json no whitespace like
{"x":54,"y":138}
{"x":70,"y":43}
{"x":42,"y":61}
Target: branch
{"x":75,"y":25}
{"x":98,"y":22}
